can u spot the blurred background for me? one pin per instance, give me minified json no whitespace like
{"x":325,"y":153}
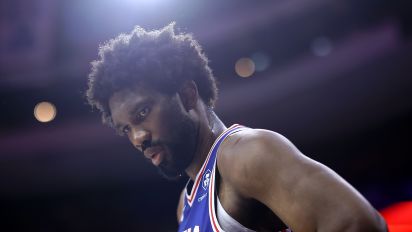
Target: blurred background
{"x":333,"y":76}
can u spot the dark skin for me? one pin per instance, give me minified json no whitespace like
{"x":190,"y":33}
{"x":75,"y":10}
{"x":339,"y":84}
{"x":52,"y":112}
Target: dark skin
{"x":263,"y":177}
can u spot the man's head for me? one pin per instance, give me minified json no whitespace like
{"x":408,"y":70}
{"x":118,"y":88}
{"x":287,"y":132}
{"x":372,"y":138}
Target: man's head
{"x":143,"y":84}
{"x":158,"y":59}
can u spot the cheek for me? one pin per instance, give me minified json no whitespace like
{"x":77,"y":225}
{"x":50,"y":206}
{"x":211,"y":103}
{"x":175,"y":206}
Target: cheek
{"x":170,"y":120}
{"x":161,"y":122}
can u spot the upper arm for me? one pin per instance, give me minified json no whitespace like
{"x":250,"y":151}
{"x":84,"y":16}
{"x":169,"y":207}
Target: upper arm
{"x":305,"y":194}
{"x":180,"y":205}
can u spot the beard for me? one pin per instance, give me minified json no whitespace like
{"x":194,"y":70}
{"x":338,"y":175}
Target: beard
{"x":181,"y":143}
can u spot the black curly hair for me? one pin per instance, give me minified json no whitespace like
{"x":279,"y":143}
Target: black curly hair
{"x":158,"y":59}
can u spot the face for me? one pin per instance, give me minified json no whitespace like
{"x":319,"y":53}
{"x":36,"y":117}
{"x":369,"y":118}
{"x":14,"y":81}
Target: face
{"x":157,"y":125}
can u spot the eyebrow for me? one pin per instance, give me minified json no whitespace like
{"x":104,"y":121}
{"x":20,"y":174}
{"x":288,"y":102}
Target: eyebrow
{"x":137,"y":106}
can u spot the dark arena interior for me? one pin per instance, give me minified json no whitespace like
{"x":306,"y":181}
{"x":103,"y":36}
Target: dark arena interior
{"x":333,"y":76}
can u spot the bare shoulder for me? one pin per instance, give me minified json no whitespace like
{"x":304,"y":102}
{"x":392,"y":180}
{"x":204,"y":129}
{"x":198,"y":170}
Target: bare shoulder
{"x":302,"y":192}
{"x":254,"y":142}
{"x":250,"y":155}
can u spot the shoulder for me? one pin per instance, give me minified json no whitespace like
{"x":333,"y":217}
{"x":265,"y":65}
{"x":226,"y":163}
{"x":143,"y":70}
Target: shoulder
{"x":254,"y":140}
{"x":303,"y":193}
{"x":247,"y":158}
{"x":254,"y":144}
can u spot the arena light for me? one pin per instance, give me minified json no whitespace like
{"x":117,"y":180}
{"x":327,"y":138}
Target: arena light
{"x":45,"y":112}
{"x":143,"y":2}
{"x":398,"y":216}
{"x":245,"y":67}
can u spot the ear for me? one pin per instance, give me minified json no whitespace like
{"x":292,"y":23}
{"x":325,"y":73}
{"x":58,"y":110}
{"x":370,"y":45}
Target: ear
{"x":189,"y":95}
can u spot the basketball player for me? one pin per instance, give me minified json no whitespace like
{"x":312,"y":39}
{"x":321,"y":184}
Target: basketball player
{"x":156,"y":88}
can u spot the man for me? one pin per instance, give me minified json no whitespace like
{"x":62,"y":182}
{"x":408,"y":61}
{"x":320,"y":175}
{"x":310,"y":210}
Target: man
{"x":156,"y":87}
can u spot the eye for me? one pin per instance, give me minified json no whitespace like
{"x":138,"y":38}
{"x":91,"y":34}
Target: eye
{"x":125,"y":130}
{"x":143,"y":113}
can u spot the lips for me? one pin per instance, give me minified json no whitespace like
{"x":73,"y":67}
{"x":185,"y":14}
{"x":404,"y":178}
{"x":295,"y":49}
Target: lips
{"x":157,"y":158}
{"x":155,"y":155}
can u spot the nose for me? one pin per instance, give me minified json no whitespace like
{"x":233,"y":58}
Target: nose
{"x":140,"y":138}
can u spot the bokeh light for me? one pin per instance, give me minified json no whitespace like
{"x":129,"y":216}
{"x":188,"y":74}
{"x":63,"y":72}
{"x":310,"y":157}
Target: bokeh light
{"x":261,"y":60}
{"x":398,"y":216}
{"x":45,"y":112}
{"x":245,"y":67}
{"x":321,"y":46}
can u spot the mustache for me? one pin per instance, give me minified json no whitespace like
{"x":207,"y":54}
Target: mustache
{"x":149,"y":143}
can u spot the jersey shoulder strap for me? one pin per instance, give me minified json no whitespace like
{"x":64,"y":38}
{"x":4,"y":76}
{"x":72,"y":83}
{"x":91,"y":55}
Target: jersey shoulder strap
{"x":209,"y":162}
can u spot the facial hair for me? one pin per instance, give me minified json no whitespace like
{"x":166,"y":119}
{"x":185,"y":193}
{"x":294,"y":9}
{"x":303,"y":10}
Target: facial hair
{"x":181,"y":143}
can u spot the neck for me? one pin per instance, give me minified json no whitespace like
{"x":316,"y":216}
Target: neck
{"x":209,"y":130}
